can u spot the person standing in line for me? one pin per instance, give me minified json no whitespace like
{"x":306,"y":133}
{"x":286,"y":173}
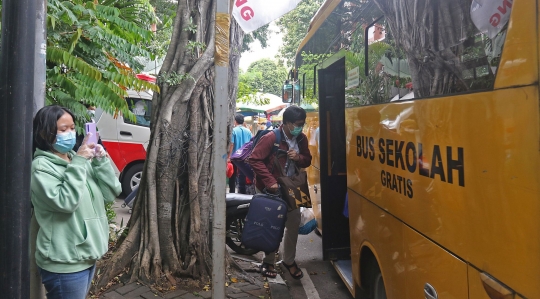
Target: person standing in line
{"x":68,"y":192}
{"x":240,"y":136}
{"x":295,"y":143}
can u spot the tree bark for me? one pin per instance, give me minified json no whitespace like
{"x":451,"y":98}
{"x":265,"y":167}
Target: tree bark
{"x":169,"y":230}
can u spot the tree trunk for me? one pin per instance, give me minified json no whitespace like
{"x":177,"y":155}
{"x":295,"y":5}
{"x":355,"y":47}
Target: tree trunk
{"x":169,"y":230}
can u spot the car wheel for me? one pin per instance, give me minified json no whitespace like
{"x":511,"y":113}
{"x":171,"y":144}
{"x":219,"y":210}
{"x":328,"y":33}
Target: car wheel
{"x":131,"y":178}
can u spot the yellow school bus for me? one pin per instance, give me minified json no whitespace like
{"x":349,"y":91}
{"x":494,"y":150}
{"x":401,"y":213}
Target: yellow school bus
{"x":428,"y":123}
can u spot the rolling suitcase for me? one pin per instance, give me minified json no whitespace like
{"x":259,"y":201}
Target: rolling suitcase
{"x":265,"y":223}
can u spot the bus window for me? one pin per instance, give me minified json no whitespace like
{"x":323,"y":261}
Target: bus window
{"x":403,"y":64}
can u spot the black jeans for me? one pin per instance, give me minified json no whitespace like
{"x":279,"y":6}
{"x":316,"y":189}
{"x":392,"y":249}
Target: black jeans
{"x":241,"y":181}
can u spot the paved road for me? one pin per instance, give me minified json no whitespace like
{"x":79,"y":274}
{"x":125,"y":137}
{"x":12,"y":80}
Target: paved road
{"x":122,"y":214}
{"x":322,"y":280}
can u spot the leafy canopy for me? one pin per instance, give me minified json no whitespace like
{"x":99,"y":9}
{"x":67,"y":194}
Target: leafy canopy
{"x":294,"y":26}
{"x":94,"y":51}
{"x":265,"y":76}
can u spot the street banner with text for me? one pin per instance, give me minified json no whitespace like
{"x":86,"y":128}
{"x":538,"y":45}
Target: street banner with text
{"x":253,"y":14}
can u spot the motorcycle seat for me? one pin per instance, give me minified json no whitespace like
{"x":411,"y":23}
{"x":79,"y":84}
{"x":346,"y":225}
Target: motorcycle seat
{"x":235,"y":199}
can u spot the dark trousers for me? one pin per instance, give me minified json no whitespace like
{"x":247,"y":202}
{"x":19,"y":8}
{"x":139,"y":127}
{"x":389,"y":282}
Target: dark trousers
{"x":241,"y":181}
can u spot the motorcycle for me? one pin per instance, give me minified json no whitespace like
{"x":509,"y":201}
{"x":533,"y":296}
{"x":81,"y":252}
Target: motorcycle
{"x":237,"y":206}
{"x":236,"y":211}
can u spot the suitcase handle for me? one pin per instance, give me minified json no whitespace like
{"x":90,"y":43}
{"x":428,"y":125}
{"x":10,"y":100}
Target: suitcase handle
{"x":265,"y":191}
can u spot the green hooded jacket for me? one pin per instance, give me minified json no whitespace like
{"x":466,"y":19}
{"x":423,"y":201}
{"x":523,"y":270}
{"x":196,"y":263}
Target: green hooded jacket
{"x":69,"y":205}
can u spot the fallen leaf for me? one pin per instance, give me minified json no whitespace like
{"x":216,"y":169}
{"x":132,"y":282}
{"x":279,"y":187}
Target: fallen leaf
{"x":234,"y":279}
{"x":206,"y":288}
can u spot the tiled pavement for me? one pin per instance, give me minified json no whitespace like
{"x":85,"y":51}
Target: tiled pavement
{"x":257,"y":288}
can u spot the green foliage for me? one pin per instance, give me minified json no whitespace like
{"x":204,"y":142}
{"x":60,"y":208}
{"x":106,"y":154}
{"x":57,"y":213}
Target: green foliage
{"x":374,"y":88}
{"x":165,"y":11}
{"x":174,"y":78}
{"x":195,"y":47}
{"x":111,"y":214}
{"x":264,"y":76}
{"x":309,"y":62}
{"x":260,"y":35}
{"x":191,"y":27}
{"x":94,"y":52}
{"x":294,"y":26}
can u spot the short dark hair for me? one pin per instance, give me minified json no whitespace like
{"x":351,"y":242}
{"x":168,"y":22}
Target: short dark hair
{"x":239,"y":118}
{"x":45,"y":128}
{"x":293,"y":114}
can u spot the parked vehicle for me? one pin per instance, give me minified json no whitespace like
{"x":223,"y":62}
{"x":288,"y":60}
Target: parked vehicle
{"x":126,"y":140}
{"x":237,"y":208}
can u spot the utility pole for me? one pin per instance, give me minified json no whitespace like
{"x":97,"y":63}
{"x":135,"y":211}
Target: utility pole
{"x":221,"y":115}
{"x":37,"y":291}
{"x":17,"y":67}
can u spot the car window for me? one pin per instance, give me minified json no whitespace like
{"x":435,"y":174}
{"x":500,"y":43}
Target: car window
{"x":142,"y":110}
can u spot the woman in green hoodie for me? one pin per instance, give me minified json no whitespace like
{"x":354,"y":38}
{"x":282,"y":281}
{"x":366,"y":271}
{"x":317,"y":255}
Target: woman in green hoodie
{"x":69,"y":192}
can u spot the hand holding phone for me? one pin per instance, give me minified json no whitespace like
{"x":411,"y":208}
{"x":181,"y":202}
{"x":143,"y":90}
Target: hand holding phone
{"x":91,"y":128}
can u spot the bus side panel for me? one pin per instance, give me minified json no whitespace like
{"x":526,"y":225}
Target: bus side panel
{"x":519,"y":60}
{"x":427,"y":263}
{"x":372,"y":227}
{"x":463,"y":171}
{"x":476,"y":288}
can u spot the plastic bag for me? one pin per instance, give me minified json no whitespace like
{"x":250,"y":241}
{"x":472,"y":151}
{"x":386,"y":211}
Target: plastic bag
{"x":307,"y":221}
{"x":230,"y":170}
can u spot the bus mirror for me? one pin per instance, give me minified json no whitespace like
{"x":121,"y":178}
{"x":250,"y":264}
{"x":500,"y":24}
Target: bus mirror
{"x":287,"y":92}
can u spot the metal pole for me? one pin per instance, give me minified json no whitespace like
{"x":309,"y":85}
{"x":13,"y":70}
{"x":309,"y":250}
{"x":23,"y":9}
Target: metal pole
{"x":221,"y":114}
{"x":17,"y":102}
{"x":37,"y":291}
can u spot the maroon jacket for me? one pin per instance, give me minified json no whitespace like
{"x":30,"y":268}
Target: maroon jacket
{"x":262,"y":159}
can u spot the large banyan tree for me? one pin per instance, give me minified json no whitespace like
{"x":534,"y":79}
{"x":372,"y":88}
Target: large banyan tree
{"x":169,"y":231}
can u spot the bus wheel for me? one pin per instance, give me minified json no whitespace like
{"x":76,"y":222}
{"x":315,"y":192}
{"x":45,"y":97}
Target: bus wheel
{"x":375,"y":285}
{"x":132,"y":178}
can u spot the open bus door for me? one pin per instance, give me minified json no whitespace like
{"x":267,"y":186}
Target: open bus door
{"x":333,"y":166}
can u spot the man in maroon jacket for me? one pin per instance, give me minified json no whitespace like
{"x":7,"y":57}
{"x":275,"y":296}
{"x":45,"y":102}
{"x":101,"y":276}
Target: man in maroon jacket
{"x":295,"y":143}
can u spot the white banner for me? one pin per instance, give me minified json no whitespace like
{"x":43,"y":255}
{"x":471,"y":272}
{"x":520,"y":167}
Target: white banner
{"x":490,"y":16}
{"x":252,"y":14}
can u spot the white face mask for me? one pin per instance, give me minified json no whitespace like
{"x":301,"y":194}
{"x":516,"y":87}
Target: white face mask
{"x":91,"y":112}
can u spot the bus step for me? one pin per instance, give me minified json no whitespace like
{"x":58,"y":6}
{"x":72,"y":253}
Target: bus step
{"x":344,"y":269}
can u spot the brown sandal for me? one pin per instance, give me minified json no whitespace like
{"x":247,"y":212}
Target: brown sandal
{"x":298,"y":274}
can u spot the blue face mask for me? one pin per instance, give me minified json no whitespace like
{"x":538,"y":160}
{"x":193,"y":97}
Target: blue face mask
{"x":297,"y":130}
{"x":65,"y":142}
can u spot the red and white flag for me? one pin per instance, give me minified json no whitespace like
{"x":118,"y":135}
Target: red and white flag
{"x":252,"y":14}
{"x":490,"y":16}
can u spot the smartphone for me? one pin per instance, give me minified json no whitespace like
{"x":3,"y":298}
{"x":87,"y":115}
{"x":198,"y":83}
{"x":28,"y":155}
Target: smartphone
{"x":91,"y":128}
